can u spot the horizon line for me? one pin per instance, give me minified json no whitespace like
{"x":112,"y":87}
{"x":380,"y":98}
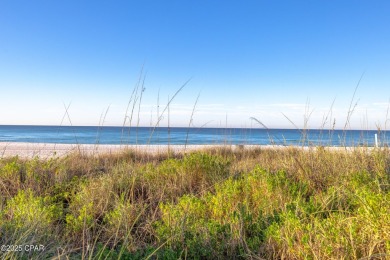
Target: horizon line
{"x":195,"y":127}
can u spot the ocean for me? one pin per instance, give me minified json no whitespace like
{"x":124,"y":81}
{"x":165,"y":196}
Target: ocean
{"x":180,"y":135}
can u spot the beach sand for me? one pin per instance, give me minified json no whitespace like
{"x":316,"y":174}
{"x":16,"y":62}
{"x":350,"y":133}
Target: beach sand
{"x":47,"y":150}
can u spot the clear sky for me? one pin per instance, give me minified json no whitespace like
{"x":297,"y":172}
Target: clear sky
{"x":278,"y":61}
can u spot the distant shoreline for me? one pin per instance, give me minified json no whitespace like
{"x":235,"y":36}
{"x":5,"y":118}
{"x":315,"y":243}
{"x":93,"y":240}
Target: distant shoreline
{"x":205,"y":127}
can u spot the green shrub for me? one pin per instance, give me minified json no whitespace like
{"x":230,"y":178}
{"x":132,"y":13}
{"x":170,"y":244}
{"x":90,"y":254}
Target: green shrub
{"x":186,"y":225}
{"x":10,"y":169}
{"x":119,"y":224}
{"x":26,"y":210}
{"x":89,"y":204}
{"x":232,"y":219}
{"x":11,"y":176}
{"x":172,"y":178}
{"x":349,"y":223}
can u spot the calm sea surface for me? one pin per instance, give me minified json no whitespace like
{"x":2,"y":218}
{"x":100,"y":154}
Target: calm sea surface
{"x":177,"y":135}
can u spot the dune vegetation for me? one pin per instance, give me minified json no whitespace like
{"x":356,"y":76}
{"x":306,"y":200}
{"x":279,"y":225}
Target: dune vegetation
{"x":289,"y":203}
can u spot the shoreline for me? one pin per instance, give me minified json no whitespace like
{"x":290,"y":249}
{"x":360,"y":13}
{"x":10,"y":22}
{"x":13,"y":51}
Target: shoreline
{"x":48,"y":150}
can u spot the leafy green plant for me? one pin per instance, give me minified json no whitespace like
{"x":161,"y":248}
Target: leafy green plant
{"x":26,"y":210}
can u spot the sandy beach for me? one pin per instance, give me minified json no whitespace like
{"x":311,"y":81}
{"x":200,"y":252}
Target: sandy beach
{"x":46,"y":150}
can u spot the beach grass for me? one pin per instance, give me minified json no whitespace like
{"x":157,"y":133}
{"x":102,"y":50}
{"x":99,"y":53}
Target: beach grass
{"x":219,"y":203}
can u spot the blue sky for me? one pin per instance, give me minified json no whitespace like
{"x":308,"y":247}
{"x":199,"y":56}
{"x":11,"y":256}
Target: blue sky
{"x":263,"y":59}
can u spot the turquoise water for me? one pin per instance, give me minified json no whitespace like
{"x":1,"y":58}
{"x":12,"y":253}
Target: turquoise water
{"x":178,"y":135}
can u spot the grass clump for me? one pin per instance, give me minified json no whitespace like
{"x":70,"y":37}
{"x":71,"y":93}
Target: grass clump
{"x":249,"y":203}
{"x":26,"y":220}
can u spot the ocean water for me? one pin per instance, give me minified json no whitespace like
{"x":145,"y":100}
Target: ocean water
{"x":178,"y":135}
